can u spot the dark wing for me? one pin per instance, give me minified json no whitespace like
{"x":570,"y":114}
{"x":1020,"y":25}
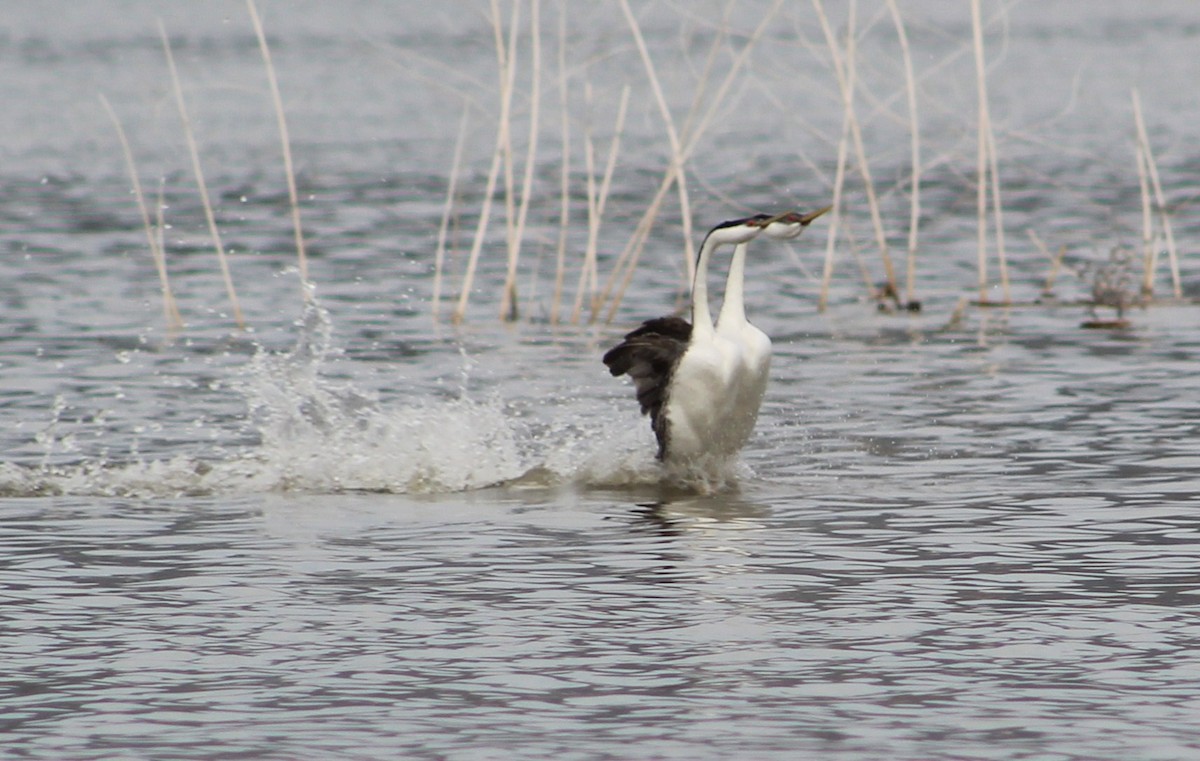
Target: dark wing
{"x":649,"y":356}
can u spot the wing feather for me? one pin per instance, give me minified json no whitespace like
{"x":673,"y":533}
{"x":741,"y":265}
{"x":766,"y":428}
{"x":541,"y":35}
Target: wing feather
{"x":649,"y":355}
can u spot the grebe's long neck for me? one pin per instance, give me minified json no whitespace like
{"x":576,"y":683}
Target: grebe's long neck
{"x":702,"y":324}
{"x":733,"y":308}
{"x":734,"y":232}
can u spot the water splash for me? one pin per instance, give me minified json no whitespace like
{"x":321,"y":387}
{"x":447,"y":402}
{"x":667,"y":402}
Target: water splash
{"x":318,"y":435}
{"x":321,"y":436}
{"x":310,"y":433}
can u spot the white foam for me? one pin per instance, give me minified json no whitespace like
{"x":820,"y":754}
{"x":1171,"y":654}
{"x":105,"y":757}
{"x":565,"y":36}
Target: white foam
{"x":317,"y":435}
{"x":320,"y":436}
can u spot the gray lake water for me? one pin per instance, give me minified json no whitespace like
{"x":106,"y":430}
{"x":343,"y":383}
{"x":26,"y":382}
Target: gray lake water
{"x":356,"y":531}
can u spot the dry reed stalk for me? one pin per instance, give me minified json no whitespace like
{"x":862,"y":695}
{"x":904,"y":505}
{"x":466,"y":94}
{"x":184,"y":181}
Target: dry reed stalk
{"x":981,"y":163}
{"x":1055,"y":261}
{"x":564,"y":214}
{"x":705,"y":75}
{"x":1058,"y":262}
{"x":160,"y":232}
{"x":914,"y":217}
{"x":199,"y":174}
{"x":439,"y":257}
{"x":847,"y":69}
{"x":498,"y":157}
{"x":693,"y":137}
{"x":835,"y":222}
{"x":997,"y":212}
{"x":1159,"y":198}
{"x":994,"y":173}
{"x":509,"y":308}
{"x":485,"y":212}
{"x":677,"y":156}
{"x":285,"y":141}
{"x":614,"y":149}
{"x":506,"y":59}
{"x":856,"y":254}
{"x":1149,"y":251}
{"x":597,"y":200}
{"x":170,"y":309}
{"x":987,"y":169}
{"x":613,"y":293}
{"x":587,"y":272}
{"x":689,"y":121}
{"x":628,"y":259}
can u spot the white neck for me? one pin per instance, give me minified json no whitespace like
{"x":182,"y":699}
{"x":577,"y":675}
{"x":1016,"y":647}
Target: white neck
{"x":736,"y":233}
{"x":702,"y":324}
{"x":733,"y":309}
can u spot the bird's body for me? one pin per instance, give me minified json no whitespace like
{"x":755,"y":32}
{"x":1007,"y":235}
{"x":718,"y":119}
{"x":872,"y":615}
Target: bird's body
{"x":713,"y":398}
{"x":703,"y":383}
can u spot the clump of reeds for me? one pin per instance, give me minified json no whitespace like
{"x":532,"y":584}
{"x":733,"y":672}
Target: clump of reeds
{"x":845,"y":70}
{"x":154,"y":231}
{"x":1111,"y":283}
{"x":844,"y":63}
{"x":596,"y":296}
{"x":600,"y":284}
{"x":506,"y":61}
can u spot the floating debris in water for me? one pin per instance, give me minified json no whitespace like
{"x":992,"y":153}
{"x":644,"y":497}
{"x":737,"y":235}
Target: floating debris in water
{"x":1112,"y":286}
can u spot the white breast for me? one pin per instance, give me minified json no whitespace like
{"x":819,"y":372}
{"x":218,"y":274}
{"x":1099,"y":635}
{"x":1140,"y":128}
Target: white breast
{"x":715,"y":394}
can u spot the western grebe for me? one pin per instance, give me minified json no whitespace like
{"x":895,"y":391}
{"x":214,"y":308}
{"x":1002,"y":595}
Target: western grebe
{"x":702,"y":384}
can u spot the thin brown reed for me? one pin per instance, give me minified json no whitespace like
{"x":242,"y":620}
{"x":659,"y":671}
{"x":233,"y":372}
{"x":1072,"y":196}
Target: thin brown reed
{"x":199,"y":175}
{"x":170,"y":309}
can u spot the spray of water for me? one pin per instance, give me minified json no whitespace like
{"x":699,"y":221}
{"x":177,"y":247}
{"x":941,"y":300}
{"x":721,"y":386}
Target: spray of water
{"x":313,"y":434}
{"x":319,"y":436}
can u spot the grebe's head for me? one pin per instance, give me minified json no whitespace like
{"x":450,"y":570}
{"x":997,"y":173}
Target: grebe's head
{"x":739,"y":230}
{"x":790,"y":224}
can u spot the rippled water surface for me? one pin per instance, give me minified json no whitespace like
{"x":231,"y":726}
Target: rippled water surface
{"x":355,"y":531}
